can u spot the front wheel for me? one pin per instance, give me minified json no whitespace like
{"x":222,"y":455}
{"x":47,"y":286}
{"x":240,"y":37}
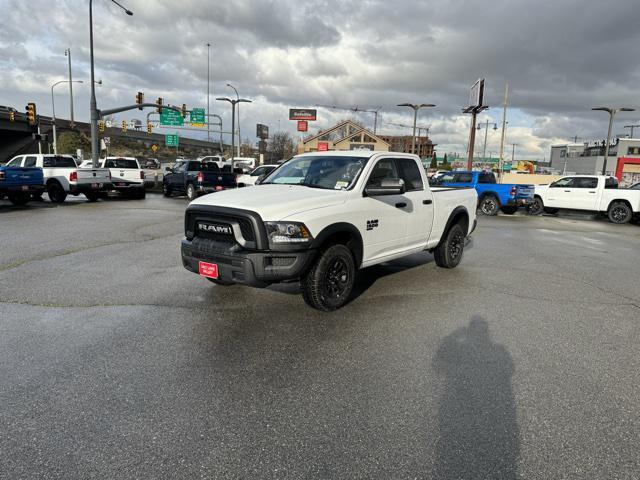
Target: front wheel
{"x":620,"y":212}
{"x":509,"y":210}
{"x":166,"y":189}
{"x":19,"y":199}
{"x":537,"y":207}
{"x":449,"y":251}
{"x":329,"y":283}
{"x":489,"y":205}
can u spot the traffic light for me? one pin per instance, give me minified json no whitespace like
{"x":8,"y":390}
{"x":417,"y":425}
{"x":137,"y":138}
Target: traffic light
{"x":149,"y":127}
{"x":124,"y":125}
{"x":31,"y":113}
{"x":101,"y":126}
{"x":139,"y":99}
{"x":12,"y":116}
{"x":159,"y":104}
{"x":184,"y":110}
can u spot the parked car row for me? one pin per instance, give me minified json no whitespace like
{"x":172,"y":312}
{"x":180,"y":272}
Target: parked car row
{"x":28,"y":176}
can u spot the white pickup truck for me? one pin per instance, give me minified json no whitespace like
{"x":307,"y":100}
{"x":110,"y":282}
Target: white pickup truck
{"x":320,"y":217}
{"x":127,"y":177}
{"x":596,"y":193}
{"x":63,"y":177}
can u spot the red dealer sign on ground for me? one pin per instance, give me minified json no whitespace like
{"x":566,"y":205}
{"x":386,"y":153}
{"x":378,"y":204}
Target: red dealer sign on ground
{"x":323,"y":146}
{"x":303,"y":125}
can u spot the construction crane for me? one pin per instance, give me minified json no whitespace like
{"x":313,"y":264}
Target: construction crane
{"x":357,"y":109}
{"x":418,"y":127}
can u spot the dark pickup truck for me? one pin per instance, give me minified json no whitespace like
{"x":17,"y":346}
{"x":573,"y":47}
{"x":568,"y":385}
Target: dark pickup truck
{"x":194,"y":178}
{"x":19,"y":183}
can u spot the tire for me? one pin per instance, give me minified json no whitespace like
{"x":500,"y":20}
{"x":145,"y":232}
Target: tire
{"x":489,"y":205}
{"x":222,"y":283}
{"x":166,"y":189}
{"x":619,"y":212}
{"x":19,"y":198}
{"x":191,"y":192}
{"x":509,"y":210}
{"x":92,"y":196}
{"x":142,"y":194}
{"x":537,"y":207}
{"x":328,"y":284}
{"x":449,"y":251}
{"x":551,"y":211}
{"x":56,"y":192}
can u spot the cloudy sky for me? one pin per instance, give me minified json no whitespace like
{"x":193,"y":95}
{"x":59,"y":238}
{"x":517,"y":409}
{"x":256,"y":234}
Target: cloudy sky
{"x":560,"y":57}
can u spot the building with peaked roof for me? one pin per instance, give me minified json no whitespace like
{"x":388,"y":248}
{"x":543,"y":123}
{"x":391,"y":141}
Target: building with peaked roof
{"x":346,"y":135}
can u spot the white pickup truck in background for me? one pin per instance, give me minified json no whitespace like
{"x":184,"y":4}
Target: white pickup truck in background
{"x":63,"y":177}
{"x":596,"y":193}
{"x":321,"y":217}
{"x":127,"y":177}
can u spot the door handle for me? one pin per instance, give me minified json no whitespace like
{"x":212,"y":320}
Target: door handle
{"x":592,"y":191}
{"x":567,"y":191}
{"x":427,"y":202}
{"x":401,"y":205}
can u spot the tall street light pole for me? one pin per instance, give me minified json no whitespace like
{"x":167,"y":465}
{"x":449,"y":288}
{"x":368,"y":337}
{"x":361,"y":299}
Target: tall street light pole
{"x":415,"y":107}
{"x":233,"y":121}
{"x":208,"y":75}
{"x":631,"y":127}
{"x":612,"y":113}
{"x":237,"y":98}
{"x":53,"y":111}
{"x":93,"y":105}
{"x":67,"y":53}
{"x":486,"y":124}
{"x":513,"y":153}
{"x":220,"y":119}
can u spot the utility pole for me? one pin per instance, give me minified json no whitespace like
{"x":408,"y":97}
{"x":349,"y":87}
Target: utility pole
{"x":504,"y":129}
{"x":513,"y":153}
{"x":415,"y":107}
{"x":612,"y":113}
{"x":631,"y":127}
{"x":67,"y":53}
{"x":208,"y":74}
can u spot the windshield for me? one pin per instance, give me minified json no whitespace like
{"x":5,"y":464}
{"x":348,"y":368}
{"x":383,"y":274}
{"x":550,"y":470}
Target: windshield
{"x":331,"y":173}
{"x":121,"y":163}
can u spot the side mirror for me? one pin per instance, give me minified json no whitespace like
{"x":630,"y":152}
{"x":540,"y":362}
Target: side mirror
{"x":168,"y":169}
{"x":388,"y":186}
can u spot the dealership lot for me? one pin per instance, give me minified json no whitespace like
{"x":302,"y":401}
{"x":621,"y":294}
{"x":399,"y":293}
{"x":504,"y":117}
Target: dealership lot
{"x":118,"y":363}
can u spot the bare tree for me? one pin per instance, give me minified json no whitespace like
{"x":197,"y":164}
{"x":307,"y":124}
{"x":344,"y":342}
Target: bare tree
{"x":281,"y":146}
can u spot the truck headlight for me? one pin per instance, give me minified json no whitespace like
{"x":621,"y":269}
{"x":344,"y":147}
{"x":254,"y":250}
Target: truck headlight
{"x":287,"y":232}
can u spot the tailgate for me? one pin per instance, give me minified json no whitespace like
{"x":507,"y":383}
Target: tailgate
{"x":92,"y":175}
{"x":525,"y":191}
{"x":23,"y":176}
{"x":127,"y":175}
{"x":215,"y":179}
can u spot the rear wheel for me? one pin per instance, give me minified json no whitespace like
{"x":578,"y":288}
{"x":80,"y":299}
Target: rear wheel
{"x":20,"y":198}
{"x":620,"y":212}
{"x":92,"y":196}
{"x":448,"y":253}
{"x":166,"y":189}
{"x":329,"y":283}
{"x":509,"y":210}
{"x":191,"y":192}
{"x":489,"y":205}
{"x":56,"y":192}
{"x":537,"y":207}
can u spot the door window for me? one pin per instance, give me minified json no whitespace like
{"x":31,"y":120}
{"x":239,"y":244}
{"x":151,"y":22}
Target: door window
{"x":384,"y":169}
{"x":563,"y":183}
{"x":486,"y":177}
{"x":611,"y":182}
{"x":30,"y":162}
{"x":410,"y":173}
{"x":180,"y":167}
{"x":15,"y":162}
{"x":585,"y":182}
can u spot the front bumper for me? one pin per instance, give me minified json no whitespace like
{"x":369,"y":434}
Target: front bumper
{"x":89,"y":187}
{"x":256,"y":269}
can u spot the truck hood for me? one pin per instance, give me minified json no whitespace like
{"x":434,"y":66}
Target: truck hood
{"x":274,"y":202}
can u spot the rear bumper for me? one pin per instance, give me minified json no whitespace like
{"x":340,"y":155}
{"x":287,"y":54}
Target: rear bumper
{"x":22,"y":188}
{"x":519,"y":202}
{"x":127,"y":186}
{"x":256,"y":269}
{"x":203,"y":189}
{"x":89,"y":187}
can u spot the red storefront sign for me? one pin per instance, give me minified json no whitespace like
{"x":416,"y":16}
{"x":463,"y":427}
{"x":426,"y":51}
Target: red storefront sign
{"x":303,"y":125}
{"x":323,"y":146}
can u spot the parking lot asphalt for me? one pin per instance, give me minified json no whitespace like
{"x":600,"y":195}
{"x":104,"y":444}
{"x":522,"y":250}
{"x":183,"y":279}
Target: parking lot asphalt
{"x":115,"y":362}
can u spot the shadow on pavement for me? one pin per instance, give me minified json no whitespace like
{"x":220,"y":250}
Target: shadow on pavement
{"x":479,"y":433}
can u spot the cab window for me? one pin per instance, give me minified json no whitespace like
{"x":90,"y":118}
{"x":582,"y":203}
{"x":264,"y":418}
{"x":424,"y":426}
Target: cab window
{"x":383,"y":170}
{"x":15,"y":162}
{"x":585,"y":182}
{"x":486,"y":177}
{"x":410,"y":173}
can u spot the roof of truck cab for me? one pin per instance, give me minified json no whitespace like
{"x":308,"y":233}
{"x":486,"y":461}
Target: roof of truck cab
{"x":351,"y":153}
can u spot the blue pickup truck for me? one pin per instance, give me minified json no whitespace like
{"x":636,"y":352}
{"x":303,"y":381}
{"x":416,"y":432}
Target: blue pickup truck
{"x":19,"y":183}
{"x":492,"y":196}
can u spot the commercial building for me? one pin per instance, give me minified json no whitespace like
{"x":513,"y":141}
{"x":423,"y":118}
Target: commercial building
{"x":402,"y":143}
{"x":587,"y":159}
{"x":346,"y":135}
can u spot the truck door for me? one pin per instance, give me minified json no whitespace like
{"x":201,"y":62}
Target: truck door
{"x":178,"y":177}
{"x":419,"y":205}
{"x":559,"y":194}
{"x":584,"y":193}
{"x":385,"y":218}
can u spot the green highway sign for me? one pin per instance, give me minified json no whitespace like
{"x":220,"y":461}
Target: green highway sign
{"x":171,"y":139}
{"x":197,"y":118}
{"x":171,"y":118}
